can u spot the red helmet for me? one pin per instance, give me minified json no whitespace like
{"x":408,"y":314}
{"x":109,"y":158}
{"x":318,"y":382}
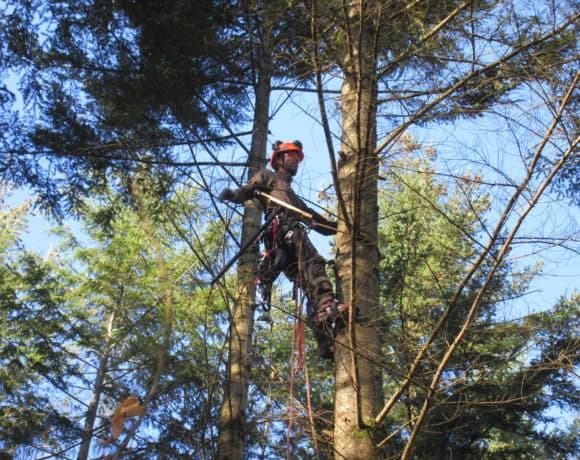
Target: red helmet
{"x":283,"y":147}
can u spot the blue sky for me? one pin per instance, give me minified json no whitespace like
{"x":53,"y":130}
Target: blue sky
{"x":458,"y":148}
{"x":465,"y":146}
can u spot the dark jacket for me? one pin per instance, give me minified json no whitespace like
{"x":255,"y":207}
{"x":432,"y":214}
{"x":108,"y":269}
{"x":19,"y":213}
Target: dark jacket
{"x":277,"y":184}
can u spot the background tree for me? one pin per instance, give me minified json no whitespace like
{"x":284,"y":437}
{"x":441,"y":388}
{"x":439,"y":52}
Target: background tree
{"x":106,"y":86}
{"x":427,"y":241}
{"x":34,"y":333}
{"x":258,"y":44}
{"x":110,"y":339}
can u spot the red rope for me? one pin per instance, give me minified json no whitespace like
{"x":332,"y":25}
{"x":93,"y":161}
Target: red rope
{"x":291,"y":403}
{"x":298,"y":345}
{"x":297,"y":342}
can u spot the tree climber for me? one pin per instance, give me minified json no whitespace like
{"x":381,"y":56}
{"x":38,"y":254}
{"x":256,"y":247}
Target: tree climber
{"x":296,"y":257}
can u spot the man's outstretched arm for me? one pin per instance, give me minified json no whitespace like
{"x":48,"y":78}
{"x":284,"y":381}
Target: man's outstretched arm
{"x":259,"y":181}
{"x":234,"y":195}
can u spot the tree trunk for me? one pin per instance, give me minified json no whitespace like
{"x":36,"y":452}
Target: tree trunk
{"x":233,"y":411}
{"x":359,"y":395}
{"x":91,"y":415}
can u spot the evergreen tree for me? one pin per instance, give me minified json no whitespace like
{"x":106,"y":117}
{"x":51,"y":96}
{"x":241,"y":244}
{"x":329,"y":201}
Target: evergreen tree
{"x":108,"y":85}
{"x":107,"y":319}
{"x":419,"y":64}
{"x":427,"y":241}
{"x":35,"y":337}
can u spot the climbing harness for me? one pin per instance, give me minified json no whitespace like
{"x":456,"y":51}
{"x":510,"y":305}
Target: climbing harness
{"x":272,"y":262}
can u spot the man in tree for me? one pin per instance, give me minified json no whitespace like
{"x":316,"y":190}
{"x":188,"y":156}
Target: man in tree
{"x":290,"y":250}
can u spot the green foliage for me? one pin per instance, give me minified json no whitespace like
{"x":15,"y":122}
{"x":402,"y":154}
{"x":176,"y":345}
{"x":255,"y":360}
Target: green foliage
{"x":496,"y":389}
{"x":35,"y":335}
{"x":100,"y":300}
{"x":107,"y":84}
{"x":12,"y":220}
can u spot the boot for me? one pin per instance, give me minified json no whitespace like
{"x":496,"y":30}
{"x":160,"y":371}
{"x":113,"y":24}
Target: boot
{"x":331,"y":310}
{"x":325,"y":345}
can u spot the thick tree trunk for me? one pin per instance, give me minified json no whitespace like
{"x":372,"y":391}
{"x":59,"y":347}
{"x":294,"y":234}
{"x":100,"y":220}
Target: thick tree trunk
{"x":233,"y":411}
{"x":359,"y":395}
{"x":91,"y":414}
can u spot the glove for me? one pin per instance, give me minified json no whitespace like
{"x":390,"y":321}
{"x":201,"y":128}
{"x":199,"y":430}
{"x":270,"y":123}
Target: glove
{"x":227,"y":194}
{"x":329,"y":227}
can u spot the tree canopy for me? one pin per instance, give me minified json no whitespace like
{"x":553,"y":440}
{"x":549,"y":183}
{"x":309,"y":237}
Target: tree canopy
{"x":451,"y":130}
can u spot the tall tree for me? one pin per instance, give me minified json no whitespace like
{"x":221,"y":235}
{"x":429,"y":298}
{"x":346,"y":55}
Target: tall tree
{"x":265,"y":45}
{"x":234,"y":409}
{"x":358,"y":394}
{"x":427,"y":243}
{"x":35,"y":332}
{"x":415,"y":64}
{"x":91,"y":325}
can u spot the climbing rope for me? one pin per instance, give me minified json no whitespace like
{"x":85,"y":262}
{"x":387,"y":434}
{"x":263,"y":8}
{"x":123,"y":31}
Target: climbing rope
{"x":297,"y":347}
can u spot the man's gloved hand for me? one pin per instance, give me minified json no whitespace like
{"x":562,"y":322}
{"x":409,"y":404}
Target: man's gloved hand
{"x":325,"y":227}
{"x":227,"y":194}
{"x":237,"y":196}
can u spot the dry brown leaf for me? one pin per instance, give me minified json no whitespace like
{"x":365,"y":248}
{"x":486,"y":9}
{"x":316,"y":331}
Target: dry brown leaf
{"x":117,"y":425}
{"x":128,"y":408}
{"x":133,"y":410}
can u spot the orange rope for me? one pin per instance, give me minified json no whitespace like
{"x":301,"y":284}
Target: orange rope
{"x":300,"y":306}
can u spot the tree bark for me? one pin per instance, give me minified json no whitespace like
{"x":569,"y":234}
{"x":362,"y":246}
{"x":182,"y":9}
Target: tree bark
{"x":233,"y":410}
{"x":359,"y":394}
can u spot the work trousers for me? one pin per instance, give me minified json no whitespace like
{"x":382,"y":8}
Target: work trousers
{"x":304,"y":266}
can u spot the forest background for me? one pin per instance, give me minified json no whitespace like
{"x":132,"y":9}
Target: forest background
{"x":456,"y":192}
